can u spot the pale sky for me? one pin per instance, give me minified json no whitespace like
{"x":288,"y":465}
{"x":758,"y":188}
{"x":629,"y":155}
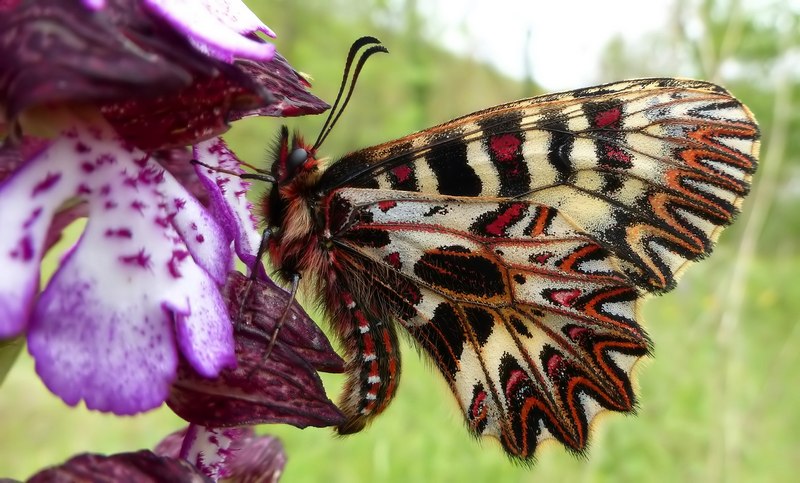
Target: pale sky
{"x":567,"y":36}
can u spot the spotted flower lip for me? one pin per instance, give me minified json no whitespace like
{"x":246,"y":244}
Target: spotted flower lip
{"x":142,"y":279}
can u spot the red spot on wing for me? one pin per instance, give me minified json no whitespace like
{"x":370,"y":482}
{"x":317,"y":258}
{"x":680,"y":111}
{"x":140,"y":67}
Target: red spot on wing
{"x":542,"y":258}
{"x":503,"y":220}
{"x":385,"y":206}
{"x":504,"y":146}
{"x":607,"y":118}
{"x":479,"y":409}
{"x":516,"y":378}
{"x":554,"y":365}
{"x":402,"y":173}
{"x":576,"y":333}
{"x":393,"y":259}
{"x":618,"y":155}
{"x":565,"y":297}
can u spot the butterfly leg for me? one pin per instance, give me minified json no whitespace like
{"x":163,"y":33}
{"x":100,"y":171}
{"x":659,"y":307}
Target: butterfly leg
{"x":373,"y":364}
{"x":282,"y":320}
{"x":262,"y":249}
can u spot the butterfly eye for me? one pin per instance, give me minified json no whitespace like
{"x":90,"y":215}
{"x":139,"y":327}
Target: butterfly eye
{"x":296,"y":159}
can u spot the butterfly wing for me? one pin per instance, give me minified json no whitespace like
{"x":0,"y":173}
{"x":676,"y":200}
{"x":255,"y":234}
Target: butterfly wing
{"x":515,"y":243}
{"x":533,"y":325}
{"x":651,"y":168}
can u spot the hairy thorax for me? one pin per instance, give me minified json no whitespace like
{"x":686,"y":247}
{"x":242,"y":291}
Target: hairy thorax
{"x":296,"y":246}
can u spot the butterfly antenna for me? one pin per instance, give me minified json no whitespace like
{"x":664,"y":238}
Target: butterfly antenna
{"x":333,"y":115}
{"x":357,"y":45}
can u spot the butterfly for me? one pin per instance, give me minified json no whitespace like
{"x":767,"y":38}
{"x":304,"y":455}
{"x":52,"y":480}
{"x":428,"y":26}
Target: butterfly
{"x":514,"y":244}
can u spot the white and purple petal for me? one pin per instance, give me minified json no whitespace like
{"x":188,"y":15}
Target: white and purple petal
{"x":94,"y":4}
{"x":233,"y":454}
{"x":217,"y":28}
{"x":228,"y":200}
{"x":144,"y":272}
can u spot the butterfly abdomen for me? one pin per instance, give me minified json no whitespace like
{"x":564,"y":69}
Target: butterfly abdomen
{"x":302,"y":244}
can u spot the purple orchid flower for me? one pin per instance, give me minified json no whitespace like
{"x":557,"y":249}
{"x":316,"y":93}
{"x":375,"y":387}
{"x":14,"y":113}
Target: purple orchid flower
{"x":140,"y":466}
{"x":93,"y":111}
{"x":193,"y":455}
{"x":235,"y":454}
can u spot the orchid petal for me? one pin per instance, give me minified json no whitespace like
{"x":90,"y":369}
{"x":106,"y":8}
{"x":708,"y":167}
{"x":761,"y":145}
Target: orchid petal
{"x":217,"y":28}
{"x":228,"y":201}
{"x":94,"y":4}
{"x":146,"y":269}
{"x":234,"y":454}
{"x":283,"y":389}
{"x":289,"y":89}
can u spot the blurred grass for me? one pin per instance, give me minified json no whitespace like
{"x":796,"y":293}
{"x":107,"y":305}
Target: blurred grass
{"x":677,"y":435}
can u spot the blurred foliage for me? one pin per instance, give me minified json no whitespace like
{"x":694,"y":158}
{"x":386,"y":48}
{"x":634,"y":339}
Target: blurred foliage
{"x":718,"y":402}
{"x":414,"y":87}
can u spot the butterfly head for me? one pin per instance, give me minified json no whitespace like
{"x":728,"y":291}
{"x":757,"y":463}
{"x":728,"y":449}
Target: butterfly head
{"x":294,"y":167}
{"x":289,"y":206}
{"x":293,"y":158}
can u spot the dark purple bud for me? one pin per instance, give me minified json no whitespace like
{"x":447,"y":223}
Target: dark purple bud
{"x":147,"y":79}
{"x":283,"y":388}
{"x":289,"y":90}
{"x":259,"y":459}
{"x":141,"y":466}
{"x":56,"y":51}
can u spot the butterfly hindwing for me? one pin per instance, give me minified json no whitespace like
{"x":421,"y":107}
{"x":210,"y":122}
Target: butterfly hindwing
{"x":530,"y":321}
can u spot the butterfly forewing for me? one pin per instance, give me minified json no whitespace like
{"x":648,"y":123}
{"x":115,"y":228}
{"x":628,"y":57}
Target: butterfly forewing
{"x":649,"y":167}
{"x":515,"y":244}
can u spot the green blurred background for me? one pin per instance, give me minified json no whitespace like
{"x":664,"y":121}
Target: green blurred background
{"x":720,"y":399}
